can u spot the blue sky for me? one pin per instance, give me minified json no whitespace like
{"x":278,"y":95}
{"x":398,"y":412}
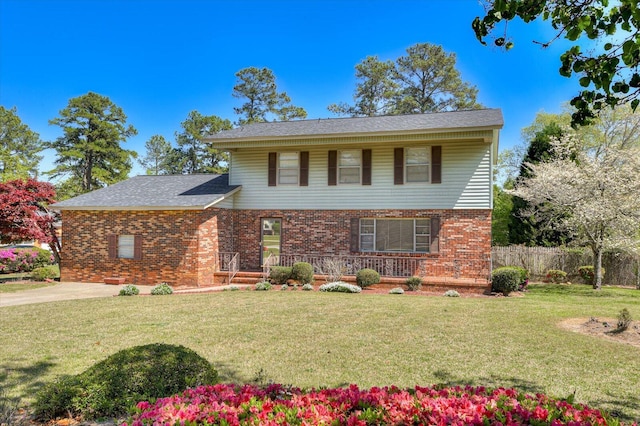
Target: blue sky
{"x":160,"y":59}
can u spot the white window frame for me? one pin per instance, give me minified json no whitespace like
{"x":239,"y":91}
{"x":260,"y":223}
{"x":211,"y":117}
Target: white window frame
{"x":421,"y":235}
{"x":417,"y":165}
{"x":126,"y":246}
{"x":289,"y":171}
{"x":345,"y":167}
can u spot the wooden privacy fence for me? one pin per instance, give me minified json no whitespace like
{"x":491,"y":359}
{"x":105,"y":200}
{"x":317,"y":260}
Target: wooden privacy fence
{"x":620,"y":268}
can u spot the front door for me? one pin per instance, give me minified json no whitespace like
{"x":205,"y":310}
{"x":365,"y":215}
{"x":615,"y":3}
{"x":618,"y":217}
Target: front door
{"x":270,"y":240}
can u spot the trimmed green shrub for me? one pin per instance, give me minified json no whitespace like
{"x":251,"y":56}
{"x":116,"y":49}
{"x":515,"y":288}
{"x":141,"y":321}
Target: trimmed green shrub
{"x":307,"y":287}
{"x":451,"y":293}
{"x":505,"y":280}
{"x":340,"y":287}
{"x":588,"y":274}
{"x":413,"y":283}
{"x":44,"y":273}
{"x":231,"y":288}
{"x":280,"y":274}
{"x":524,"y":277}
{"x":284,"y":287}
{"x":161,"y":290}
{"x":112,"y":386}
{"x":263,"y":286}
{"x":556,"y":276}
{"x":366,"y":277}
{"x":396,"y":290}
{"x":302,"y":272}
{"x":129,"y":290}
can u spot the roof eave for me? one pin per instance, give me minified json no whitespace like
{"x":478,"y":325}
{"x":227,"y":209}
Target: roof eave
{"x":233,"y":142}
{"x":150,"y":208}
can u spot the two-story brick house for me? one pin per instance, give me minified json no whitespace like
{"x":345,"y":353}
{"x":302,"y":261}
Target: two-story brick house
{"x":403,"y":194}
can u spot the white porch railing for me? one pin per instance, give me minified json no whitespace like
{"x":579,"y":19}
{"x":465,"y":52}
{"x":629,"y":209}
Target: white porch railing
{"x":386,"y":266}
{"x":270,"y":261}
{"x":228,"y":261}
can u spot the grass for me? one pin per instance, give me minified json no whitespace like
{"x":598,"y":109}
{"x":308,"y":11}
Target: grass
{"x":13,"y":288}
{"x":313,"y":339}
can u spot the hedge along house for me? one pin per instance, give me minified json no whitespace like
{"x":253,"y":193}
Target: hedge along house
{"x":405,"y":195}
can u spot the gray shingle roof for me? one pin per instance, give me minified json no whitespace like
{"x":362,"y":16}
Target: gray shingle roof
{"x":172,"y":192}
{"x":483,"y":118}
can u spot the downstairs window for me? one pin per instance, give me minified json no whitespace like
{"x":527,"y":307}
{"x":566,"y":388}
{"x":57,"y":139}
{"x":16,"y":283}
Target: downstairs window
{"x":395,"y":235}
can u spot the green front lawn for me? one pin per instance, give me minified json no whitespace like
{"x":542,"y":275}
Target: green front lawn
{"x":313,"y":339}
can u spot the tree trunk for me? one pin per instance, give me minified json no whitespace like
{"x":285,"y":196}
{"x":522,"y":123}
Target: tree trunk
{"x":597,"y":268}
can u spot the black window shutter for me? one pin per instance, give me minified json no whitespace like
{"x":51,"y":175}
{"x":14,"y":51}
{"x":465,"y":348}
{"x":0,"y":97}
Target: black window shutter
{"x":304,"y":168}
{"x":355,"y":234}
{"x":112,"y":245}
{"x":398,"y":166}
{"x":366,"y":167}
{"x":273,"y":171}
{"x":435,"y":235}
{"x":436,"y":164}
{"x":137,"y":247}
{"x":333,"y":168}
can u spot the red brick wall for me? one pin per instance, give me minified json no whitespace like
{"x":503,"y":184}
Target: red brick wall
{"x":465,"y":237}
{"x":177,"y":246}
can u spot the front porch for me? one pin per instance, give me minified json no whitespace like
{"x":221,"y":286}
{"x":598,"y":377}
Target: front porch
{"x":394,"y":270}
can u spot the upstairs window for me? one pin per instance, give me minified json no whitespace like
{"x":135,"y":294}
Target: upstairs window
{"x":288,"y":168}
{"x":417,"y":164}
{"x":417,"y":161}
{"x":349,"y":166}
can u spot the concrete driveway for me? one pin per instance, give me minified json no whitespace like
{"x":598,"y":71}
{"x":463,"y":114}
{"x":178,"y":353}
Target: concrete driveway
{"x":64,"y":291}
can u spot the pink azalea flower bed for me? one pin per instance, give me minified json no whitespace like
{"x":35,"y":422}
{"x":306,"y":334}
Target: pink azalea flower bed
{"x":228,"y":404}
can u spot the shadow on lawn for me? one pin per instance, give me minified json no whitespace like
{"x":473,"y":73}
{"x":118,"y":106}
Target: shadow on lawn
{"x":494,"y":381}
{"x":618,"y":407}
{"x":29,"y":377}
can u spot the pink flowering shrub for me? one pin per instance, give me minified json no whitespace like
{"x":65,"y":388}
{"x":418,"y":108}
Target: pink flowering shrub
{"x":228,"y":404}
{"x":23,"y":260}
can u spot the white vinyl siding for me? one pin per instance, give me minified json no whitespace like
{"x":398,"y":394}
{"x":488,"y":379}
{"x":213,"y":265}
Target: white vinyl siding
{"x":466,"y":182}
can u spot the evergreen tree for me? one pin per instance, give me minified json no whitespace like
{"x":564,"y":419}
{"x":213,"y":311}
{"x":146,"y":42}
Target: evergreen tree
{"x":89,"y":154}
{"x":19,"y":147}
{"x":257,"y":87}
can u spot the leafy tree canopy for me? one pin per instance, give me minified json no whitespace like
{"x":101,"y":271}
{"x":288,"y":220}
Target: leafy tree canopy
{"x":23,"y":214}
{"x":196,"y":155}
{"x":593,"y":197}
{"x":424,"y":80}
{"x":89,"y":152}
{"x":610,"y":76}
{"x":257,"y":87}
{"x":19,"y":147}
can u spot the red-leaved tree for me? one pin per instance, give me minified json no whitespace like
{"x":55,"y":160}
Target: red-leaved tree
{"x":24,"y":214}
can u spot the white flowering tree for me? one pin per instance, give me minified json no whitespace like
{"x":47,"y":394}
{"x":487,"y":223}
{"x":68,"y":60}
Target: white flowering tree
{"x":593,"y":194}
